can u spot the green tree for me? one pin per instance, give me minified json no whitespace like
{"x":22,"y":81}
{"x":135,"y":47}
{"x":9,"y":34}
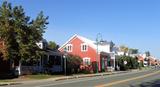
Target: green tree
{"x":20,"y":33}
{"x":132,"y":62}
{"x":52,"y":45}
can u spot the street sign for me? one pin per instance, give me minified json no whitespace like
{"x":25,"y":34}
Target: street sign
{"x":125,"y":62}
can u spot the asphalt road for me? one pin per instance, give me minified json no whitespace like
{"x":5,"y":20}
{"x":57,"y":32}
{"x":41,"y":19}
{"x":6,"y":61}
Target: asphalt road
{"x":147,"y":78}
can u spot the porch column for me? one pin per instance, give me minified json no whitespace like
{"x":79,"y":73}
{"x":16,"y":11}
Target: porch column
{"x":47,"y":57}
{"x":19,"y":68}
{"x":41,"y":63}
{"x":114,"y":64}
{"x":62,"y":61}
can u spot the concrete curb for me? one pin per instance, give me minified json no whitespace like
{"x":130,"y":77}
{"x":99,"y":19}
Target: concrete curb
{"x":12,"y":83}
{"x":77,"y":76}
{"x":62,"y":78}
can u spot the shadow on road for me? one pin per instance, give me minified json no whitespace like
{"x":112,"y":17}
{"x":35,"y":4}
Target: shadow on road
{"x":155,"y":83}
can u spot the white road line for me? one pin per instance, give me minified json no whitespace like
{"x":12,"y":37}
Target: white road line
{"x":82,"y":80}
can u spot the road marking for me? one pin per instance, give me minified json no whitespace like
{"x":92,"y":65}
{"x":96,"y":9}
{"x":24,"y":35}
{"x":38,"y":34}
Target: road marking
{"x":126,"y":80}
{"x":88,"y":79}
{"x":72,"y":81}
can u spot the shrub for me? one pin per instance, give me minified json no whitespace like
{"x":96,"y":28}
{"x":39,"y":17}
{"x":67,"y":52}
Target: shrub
{"x":73,"y":63}
{"x":86,"y":69}
{"x":132,"y":63}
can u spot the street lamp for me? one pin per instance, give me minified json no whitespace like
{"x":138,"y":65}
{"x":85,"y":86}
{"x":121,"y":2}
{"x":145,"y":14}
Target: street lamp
{"x":98,"y":40}
{"x":65,"y":61}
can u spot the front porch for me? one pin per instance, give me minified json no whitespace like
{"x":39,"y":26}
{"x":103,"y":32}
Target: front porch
{"x":52,"y":61}
{"x":107,"y":62}
{"x":49,"y":62}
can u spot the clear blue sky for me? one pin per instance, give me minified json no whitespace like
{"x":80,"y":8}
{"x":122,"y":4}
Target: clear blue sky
{"x":135,"y":23}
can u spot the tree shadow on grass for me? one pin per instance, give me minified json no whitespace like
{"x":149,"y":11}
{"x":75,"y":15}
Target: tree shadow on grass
{"x":154,"y":83}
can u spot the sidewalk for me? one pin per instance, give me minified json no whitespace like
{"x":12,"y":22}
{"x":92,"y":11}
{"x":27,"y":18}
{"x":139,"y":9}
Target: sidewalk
{"x":66,"y":77}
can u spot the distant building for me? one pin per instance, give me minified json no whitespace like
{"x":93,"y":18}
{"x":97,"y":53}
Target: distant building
{"x":117,"y":50}
{"x":152,"y":61}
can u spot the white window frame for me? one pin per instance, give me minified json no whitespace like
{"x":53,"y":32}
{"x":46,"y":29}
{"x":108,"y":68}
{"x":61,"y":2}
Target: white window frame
{"x":87,"y":61}
{"x":40,"y":45}
{"x":82,"y":47}
{"x":69,"y":47}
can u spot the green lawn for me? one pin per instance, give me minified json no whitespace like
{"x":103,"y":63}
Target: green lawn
{"x":6,"y":81}
{"x":30,"y":77}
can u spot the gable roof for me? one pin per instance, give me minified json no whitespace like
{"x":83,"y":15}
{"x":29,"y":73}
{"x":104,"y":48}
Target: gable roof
{"x":91,"y":43}
{"x":67,"y":42}
{"x":85,"y":40}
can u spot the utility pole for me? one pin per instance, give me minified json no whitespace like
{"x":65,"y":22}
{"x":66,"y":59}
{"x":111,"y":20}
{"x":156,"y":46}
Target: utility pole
{"x":97,"y":54}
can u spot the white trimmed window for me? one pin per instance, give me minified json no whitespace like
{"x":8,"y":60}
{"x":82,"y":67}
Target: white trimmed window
{"x":69,"y":47}
{"x":86,"y":61}
{"x":84,"y":47}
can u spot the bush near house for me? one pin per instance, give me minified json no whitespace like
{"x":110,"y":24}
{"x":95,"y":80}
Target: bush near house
{"x":141,"y":64}
{"x":86,"y":69}
{"x":73,"y":64}
{"x":132,"y":62}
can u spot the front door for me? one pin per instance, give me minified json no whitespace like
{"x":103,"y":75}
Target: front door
{"x":104,"y":64}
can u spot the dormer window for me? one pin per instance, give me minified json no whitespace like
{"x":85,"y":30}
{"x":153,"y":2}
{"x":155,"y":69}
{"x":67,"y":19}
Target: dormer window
{"x":69,"y":47}
{"x":84,"y":47}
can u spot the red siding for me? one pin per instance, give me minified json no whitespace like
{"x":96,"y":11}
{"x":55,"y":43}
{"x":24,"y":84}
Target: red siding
{"x":76,"y":50}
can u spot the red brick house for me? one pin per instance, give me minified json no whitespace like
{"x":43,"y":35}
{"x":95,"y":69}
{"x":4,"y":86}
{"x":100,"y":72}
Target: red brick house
{"x":87,"y":50}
